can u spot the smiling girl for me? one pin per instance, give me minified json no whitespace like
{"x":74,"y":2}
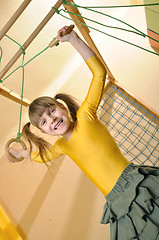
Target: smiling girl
{"x":131,"y":191}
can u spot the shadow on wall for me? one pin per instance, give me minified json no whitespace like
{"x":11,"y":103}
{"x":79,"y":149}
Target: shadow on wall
{"x":33,"y":208}
{"x":78,"y":221}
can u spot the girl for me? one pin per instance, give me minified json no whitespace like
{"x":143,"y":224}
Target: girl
{"x":132,"y":192}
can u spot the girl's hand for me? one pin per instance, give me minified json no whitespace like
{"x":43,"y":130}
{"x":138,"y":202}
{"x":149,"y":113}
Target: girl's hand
{"x":17,"y":154}
{"x":68,"y":37}
{"x":84,"y":50}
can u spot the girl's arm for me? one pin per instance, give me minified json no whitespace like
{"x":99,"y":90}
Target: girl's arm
{"x":50,"y":155}
{"x":93,"y":98}
{"x":17,"y":153}
{"x":84,"y":50}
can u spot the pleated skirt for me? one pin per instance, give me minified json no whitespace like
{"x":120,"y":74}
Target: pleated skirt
{"x":132,"y":206}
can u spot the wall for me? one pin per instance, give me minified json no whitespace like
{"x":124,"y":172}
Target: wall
{"x":62,"y":203}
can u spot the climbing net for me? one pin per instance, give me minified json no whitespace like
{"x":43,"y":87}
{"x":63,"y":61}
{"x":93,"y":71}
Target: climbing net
{"x":132,"y":125}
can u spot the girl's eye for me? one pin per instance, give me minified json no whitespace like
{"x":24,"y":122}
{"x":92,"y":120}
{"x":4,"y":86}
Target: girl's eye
{"x":43,"y":122}
{"x":52,"y":111}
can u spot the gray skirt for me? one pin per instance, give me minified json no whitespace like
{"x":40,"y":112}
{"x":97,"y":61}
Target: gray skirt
{"x":132,"y":206}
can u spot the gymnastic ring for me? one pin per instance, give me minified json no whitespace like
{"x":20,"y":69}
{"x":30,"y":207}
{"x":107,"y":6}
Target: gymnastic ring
{"x":10,"y":156}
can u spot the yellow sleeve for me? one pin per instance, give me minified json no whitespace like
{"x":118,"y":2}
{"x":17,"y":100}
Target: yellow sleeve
{"x":94,"y":95}
{"x":52,"y":154}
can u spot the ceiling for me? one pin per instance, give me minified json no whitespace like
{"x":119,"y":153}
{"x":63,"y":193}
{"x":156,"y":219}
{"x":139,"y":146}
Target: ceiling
{"x":133,"y":68}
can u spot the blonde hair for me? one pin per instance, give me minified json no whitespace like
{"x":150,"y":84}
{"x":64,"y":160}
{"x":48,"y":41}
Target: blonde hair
{"x":36,"y":110}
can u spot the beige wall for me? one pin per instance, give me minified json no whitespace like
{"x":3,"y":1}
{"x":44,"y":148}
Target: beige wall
{"x":63,"y":204}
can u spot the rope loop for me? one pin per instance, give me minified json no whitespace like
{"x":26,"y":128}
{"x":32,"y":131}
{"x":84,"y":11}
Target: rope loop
{"x":19,"y":135}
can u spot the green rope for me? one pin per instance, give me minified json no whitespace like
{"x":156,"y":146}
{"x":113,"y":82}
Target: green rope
{"x":109,"y":34}
{"x":141,"y":34}
{"x":144,"y":35}
{"x":36,"y":55}
{"x":136,"y":5}
{"x":21,"y":102}
{"x":25,"y":63}
{"x":22,"y":89}
{"x":89,"y":9}
{"x":104,"y":14}
{"x":23,"y":51}
{"x":19,"y":134}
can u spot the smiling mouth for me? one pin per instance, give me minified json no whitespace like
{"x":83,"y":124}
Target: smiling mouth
{"x":58,"y":124}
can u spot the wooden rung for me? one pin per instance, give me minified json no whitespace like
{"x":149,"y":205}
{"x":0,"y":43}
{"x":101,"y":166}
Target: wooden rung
{"x":14,"y":18}
{"x":31,"y":38}
{"x":13,"y":96}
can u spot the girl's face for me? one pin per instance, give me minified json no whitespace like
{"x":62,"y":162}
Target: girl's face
{"x":55,"y":121}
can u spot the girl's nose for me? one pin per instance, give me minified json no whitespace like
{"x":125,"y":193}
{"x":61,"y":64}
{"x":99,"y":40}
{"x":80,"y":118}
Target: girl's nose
{"x":53,"y":119}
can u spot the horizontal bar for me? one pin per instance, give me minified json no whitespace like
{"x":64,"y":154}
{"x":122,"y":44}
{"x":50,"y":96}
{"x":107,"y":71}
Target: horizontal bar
{"x":14,"y":18}
{"x":31,"y":38}
{"x":13,"y":96}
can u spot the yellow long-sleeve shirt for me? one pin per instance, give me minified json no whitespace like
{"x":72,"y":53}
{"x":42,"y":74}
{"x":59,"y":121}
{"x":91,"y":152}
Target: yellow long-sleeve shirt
{"x":91,"y":146}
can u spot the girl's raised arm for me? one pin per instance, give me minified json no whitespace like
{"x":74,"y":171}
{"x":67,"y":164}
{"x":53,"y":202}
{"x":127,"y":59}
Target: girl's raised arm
{"x":84,"y":50}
